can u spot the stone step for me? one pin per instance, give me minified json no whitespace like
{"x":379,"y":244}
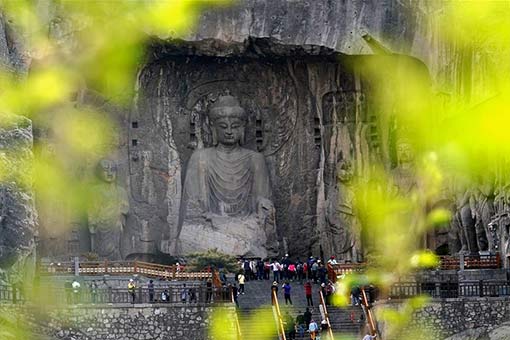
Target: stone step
{"x":258,"y":294}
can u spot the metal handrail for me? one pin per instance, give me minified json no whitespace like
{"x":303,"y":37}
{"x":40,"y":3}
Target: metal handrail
{"x":124,"y":268}
{"x":238,"y":326}
{"x":88,"y":295}
{"x":448,"y":262}
{"x":326,"y":315}
{"x":280,"y":327}
{"x":368,"y":312}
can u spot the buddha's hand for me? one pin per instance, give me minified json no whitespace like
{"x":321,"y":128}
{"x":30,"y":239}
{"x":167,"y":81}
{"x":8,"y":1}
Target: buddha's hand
{"x":208,"y":216}
{"x":265,"y":210}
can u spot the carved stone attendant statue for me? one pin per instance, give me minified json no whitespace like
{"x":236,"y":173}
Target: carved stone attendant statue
{"x":226,"y":202}
{"x":404,"y":174}
{"x":107,"y":214}
{"x":341,"y":218}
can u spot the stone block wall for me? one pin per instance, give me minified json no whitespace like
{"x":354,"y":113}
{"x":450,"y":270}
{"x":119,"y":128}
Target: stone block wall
{"x":119,"y":322}
{"x":442,"y":318}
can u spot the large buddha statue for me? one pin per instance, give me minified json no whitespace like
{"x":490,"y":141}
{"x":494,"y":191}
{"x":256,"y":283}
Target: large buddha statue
{"x":226,"y":201}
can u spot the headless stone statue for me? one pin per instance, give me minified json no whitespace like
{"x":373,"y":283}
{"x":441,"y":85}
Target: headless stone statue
{"x":226,"y":202}
{"x":107,"y":214}
{"x":500,"y":222}
{"x":465,"y":215}
{"x":483,"y":197}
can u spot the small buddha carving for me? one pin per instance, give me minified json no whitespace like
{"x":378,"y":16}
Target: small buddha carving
{"x":226,"y":201}
{"x":107,"y":213}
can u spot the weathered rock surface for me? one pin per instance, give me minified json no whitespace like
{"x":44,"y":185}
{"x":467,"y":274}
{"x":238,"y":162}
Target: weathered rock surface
{"x":12,"y":53}
{"x":17,"y":210}
{"x":335,"y":24}
{"x":501,"y":332}
{"x":471,"y":334}
{"x":18,"y":217}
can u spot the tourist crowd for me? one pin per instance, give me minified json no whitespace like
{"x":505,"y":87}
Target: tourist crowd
{"x":286,"y":269}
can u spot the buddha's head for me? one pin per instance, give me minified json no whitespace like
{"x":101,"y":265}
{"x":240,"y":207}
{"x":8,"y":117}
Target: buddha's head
{"x":405,"y":153}
{"x":228,"y":120}
{"x":344,"y":171}
{"x":107,"y":170}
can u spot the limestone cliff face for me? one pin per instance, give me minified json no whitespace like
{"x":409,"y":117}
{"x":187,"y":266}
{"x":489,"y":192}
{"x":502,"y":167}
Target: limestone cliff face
{"x":338,"y":25}
{"x":308,"y":110}
{"x":18,"y":217}
{"x":17,"y":210}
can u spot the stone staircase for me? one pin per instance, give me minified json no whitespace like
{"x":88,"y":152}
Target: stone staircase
{"x":252,"y":326}
{"x":346,"y":322}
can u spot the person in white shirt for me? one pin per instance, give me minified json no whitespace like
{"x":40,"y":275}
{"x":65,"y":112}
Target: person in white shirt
{"x":275,"y":267}
{"x":332,"y":260}
{"x":76,"y":291}
{"x":241,"y":280}
{"x":313,"y":328}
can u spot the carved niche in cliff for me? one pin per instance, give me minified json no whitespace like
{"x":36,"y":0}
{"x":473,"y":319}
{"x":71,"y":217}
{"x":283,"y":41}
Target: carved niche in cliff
{"x":175,"y":123}
{"x":305,"y":112}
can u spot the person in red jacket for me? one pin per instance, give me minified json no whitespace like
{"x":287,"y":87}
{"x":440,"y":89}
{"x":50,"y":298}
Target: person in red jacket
{"x":308,"y":293}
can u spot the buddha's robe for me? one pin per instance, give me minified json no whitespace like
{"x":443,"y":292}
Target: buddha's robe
{"x":222,"y":194}
{"x":105,"y":219}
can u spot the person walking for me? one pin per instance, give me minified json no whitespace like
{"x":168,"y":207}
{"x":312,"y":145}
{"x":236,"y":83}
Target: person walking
{"x":301,"y":324}
{"x":93,"y":291}
{"x":260,"y":270}
{"x":313,"y":328}
{"x":307,"y":317}
{"x":369,"y":337}
{"x":355,"y":295}
{"x":68,"y":288}
{"x":192,"y":294}
{"x":151,"y":290}
{"x":275,"y":267}
{"x":235,"y":293}
{"x":76,"y":291}
{"x":300,"y":270}
{"x":208,"y":298}
{"x":165,"y":296}
{"x":184,"y":294}
{"x":132,"y":290}
{"x":286,"y":292}
{"x":241,"y":278}
{"x":290,"y":326}
{"x":315,"y":269}
{"x":330,"y":290}
{"x":292,"y":271}
{"x":247,"y":270}
{"x":308,"y":293}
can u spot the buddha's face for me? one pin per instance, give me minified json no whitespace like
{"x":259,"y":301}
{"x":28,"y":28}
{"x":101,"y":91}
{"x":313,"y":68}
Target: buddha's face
{"x":229,"y":130}
{"x":107,"y":171}
{"x":405,"y":153}
{"x":344,"y":171}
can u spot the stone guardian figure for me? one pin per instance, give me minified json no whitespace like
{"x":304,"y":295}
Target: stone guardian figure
{"x":341,"y":217}
{"x":107,"y":213}
{"x":226,"y":201}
